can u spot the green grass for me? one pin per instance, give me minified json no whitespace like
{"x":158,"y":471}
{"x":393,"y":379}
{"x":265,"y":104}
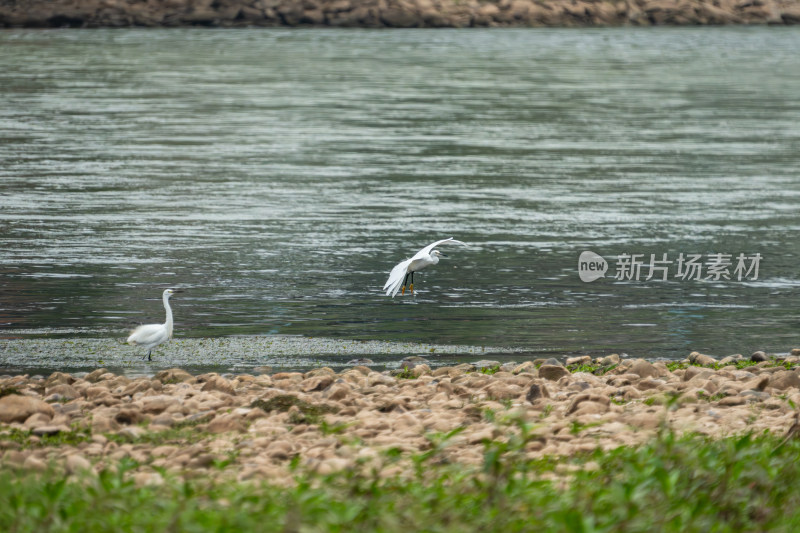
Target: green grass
{"x":405,"y":374}
{"x":740,"y":365}
{"x":7,"y":391}
{"x":487,"y":370}
{"x":25,"y":438}
{"x":307,"y":413}
{"x":182,"y":432}
{"x":745,"y":483}
{"x":672,"y":366}
{"x":597,"y":370}
{"x":176,"y":435}
{"x":710,"y":397}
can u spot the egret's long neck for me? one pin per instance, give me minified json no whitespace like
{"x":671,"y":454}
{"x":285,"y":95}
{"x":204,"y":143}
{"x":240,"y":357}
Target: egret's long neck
{"x":168,"y":323}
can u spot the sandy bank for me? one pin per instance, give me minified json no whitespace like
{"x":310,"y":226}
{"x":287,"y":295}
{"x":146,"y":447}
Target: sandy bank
{"x":251,"y":426}
{"x":394,"y":13}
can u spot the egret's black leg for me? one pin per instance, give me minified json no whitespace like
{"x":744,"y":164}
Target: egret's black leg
{"x":412,"y":282}
{"x":148,"y":355}
{"x":403,"y":291}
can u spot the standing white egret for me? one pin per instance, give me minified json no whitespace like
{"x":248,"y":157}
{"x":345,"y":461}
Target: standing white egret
{"x":151,"y":335}
{"x":401,"y":272}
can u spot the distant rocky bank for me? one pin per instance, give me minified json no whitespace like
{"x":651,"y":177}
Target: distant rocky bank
{"x":394,"y":13}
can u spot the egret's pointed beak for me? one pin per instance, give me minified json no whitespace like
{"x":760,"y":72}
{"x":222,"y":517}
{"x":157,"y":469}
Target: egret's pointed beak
{"x":178,"y":290}
{"x":443,"y":255}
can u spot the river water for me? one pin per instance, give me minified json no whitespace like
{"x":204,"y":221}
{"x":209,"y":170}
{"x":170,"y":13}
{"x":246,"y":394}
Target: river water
{"x":277,"y":176}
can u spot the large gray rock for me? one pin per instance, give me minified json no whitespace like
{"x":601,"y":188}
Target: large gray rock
{"x":158,"y":403}
{"x":218,"y":383}
{"x":697,"y":358}
{"x":315,"y":383}
{"x":643,"y":369}
{"x":59,"y":378}
{"x":588,"y":397}
{"x":695,"y":371}
{"x":173,"y":375}
{"x":580,"y":360}
{"x":525,"y":368}
{"x":323,"y":371}
{"x":226,"y":423}
{"x":785,"y":379}
{"x":553,"y":372}
{"x":64,"y":390}
{"x":536,"y":392}
{"x":16,"y":408}
{"x":609,"y":360}
{"x":502,"y":391}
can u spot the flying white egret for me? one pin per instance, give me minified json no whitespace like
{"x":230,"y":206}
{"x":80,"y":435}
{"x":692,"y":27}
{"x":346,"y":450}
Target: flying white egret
{"x":151,"y":335}
{"x":401,"y":272}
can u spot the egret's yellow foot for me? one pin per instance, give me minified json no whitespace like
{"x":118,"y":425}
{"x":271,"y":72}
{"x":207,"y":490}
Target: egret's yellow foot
{"x":411,"y":288}
{"x":403,"y":290}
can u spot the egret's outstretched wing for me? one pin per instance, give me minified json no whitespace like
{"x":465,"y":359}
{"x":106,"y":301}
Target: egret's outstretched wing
{"x":396,"y":277}
{"x":425,"y":251}
{"x":147,"y":334}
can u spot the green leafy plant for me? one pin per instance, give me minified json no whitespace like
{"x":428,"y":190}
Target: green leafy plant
{"x":405,"y":374}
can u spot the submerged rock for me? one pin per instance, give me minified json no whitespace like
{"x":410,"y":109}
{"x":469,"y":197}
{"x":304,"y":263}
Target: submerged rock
{"x":485,"y":363}
{"x":360,"y":362}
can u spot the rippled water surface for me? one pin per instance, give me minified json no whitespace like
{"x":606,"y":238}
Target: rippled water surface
{"x":278,"y":175}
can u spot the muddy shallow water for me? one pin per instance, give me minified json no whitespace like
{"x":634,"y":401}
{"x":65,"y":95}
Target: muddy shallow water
{"x":227,"y":354}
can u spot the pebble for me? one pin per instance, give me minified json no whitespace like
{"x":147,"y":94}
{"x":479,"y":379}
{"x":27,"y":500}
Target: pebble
{"x":381,"y":412}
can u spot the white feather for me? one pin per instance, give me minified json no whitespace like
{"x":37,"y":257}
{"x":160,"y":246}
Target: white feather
{"x":419,"y":261}
{"x":149,"y":336}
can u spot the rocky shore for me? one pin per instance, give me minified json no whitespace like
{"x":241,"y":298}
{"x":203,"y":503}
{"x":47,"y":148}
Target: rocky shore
{"x":394,"y":13}
{"x":254,"y":427}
